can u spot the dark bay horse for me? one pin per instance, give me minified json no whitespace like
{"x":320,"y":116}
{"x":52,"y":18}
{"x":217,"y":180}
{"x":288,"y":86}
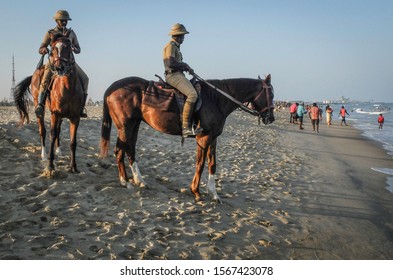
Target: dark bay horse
{"x":124,"y":105}
{"x":65,"y":98}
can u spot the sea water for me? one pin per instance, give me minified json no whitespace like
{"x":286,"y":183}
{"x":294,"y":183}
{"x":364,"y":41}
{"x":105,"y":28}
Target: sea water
{"x":364,"y":116}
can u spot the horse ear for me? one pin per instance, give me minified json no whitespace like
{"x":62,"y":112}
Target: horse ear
{"x":268,"y":79}
{"x":259,"y":77}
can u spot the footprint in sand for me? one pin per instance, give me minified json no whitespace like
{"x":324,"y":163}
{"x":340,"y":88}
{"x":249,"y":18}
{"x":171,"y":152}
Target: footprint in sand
{"x":265,"y":223}
{"x":281,"y":215}
{"x":265,"y":243}
{"x":216,"y":235}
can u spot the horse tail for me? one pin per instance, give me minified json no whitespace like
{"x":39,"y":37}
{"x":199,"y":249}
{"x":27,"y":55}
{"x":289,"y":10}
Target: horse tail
{"x":21,"y":100}
{"x":105,"y":130}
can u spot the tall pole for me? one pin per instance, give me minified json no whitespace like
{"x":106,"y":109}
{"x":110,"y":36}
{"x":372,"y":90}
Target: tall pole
{"x":11,"y":99}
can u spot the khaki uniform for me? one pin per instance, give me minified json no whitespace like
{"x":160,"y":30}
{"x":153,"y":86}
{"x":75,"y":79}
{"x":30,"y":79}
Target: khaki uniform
{"x":176,"y":77}
{"x":76,"y":48}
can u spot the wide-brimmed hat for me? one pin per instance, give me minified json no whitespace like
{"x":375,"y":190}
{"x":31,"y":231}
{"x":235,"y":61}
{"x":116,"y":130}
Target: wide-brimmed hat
{"x":62,"y":15}
{"x":178,"y":29}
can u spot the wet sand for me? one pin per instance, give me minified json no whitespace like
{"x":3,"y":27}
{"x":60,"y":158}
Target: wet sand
{"x":287,"y":194}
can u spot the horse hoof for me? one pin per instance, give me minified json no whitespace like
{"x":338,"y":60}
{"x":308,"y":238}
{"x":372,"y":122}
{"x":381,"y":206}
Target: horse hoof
{"x":199,"y":199}
{"x":49,"y":172}
{"x":73,"y":170}
{"x":143,"y":185}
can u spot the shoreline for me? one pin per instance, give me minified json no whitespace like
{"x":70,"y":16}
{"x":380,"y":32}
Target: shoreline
{"x":287,"y":194}
{"x":350,"y":201}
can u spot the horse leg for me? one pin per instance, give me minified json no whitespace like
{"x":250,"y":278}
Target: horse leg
{"x":131,"y":153}
{"x":54,"y":131}
{"x":211,"y":160}
{"x":200,"y":162}
{"x":58,"y":150}
{"x":73,"y":131}
{"x":42,"y":131}
{"x":120,"y":152}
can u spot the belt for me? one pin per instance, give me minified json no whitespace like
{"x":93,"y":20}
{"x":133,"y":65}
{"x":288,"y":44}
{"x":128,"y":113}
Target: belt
{"x":171,"y":71}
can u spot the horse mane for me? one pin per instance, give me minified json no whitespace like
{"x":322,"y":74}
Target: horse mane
{"x":238,"y":85}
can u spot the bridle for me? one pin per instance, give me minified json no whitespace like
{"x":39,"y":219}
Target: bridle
{"x":264,"y":90}
{"x":66,"y":63}
{"x":269,"y":105}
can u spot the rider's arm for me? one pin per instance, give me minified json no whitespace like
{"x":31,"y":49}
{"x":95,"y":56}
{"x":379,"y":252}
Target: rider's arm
{"x":177,"y":65}
{"x":171,"y":62}
{"x":74,"y":41}
{"x":45,"y":43}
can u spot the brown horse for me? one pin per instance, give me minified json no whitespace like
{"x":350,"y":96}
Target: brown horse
{"x":124,"y":104}
{"x":65,"y":98}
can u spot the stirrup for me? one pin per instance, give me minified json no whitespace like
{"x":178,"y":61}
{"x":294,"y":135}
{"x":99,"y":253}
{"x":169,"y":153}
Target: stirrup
{"x":186,"y":131}
{"x":39,"y":110}
{"x":83,"y":113}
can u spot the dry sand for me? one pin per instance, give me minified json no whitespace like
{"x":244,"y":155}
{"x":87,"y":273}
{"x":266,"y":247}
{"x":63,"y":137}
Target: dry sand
{"x":287,"y":194}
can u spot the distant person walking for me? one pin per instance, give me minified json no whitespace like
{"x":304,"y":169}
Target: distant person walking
{"x":342,"y":113}
{"x":321,"y":111}
{"x":315,"y":115}
{"x":381,"y":120}
{"x":329,"y":114}
{"x":300,"y":112}
{"x":292,"y":112}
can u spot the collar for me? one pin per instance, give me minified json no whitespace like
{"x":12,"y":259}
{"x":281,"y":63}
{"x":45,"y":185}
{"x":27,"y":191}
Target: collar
{"x":176,"y":43}
{"x":61,"y":29}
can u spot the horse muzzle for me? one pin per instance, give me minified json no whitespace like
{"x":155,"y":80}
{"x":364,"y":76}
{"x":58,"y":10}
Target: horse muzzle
{"x":267,"y":116}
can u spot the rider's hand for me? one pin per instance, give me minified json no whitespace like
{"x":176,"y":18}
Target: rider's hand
{"x":43,"y":50}
{"x":190,"y":70}
{"x":75,"y":49}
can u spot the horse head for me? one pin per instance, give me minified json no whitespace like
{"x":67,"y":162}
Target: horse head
{"x":263,"y":102}
{"x":61,"y":57}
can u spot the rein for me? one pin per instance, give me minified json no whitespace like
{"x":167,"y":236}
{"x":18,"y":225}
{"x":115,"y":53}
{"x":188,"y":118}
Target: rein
{"x":242,"y":106}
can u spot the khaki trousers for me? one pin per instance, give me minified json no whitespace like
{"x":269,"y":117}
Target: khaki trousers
{"x":179,"y":81}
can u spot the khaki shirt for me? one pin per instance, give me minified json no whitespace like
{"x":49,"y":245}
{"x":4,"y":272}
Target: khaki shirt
{"x":71,"y":36}
{"x":172,"y":49}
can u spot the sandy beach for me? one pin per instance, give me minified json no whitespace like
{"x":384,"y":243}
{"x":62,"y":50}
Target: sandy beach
{"x":287,"y":194}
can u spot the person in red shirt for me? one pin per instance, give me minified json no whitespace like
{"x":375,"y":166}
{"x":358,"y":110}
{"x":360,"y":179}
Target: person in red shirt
{"x":315,"y":115}
{"x":381,"y":120}
{"x":292,"y":112}
{"x":342,"y":113}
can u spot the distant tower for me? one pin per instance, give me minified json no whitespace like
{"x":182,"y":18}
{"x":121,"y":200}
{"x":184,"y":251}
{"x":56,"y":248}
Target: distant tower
{"x":11,"y":99}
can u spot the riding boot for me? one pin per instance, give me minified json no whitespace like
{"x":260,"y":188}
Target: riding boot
{"x":83,"y":112}
{"x":187,"y":129}
{"x":40,"y":108}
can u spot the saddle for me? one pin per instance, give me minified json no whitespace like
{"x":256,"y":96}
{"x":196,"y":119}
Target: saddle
{"x":164,"y":97}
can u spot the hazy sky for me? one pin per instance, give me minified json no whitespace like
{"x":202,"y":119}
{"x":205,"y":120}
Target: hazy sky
{"x":315,"y":50}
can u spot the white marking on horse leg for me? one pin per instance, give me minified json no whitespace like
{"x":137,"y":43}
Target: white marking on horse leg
{"x":138,"y":180}
{"x":123,"y":181}
{"x":43,"y":153}
{"x":211,"y":187}
{"x":58,"y":152}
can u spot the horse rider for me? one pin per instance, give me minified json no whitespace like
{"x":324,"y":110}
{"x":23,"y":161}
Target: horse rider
{"x":174,"y":68}
{"x":61,"y":17}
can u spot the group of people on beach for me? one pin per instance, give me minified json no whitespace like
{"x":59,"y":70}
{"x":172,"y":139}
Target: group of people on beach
{"x":298,"y":110}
